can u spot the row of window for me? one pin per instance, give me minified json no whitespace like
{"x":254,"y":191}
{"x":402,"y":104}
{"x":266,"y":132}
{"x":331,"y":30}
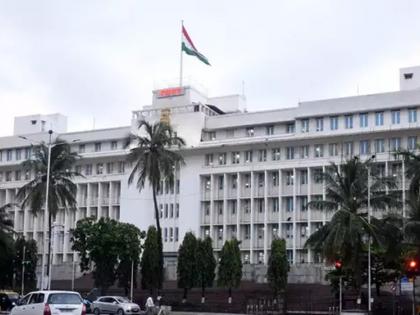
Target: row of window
{"x":25,"y":153}
{"x":319,"y":151}
{"x":169,"y":210}
{"x":168,"y":188}
{"x":334,"y":123}
{"x":101,"y":168}
{"x":168,"y":234}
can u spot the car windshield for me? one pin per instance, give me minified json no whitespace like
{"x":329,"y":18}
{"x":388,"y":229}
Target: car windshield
{"x":64,"y":298}
{"x":13,"y":296}
{"x":122,"y":299}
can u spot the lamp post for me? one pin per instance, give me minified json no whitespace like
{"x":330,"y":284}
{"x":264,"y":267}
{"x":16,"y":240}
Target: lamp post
{"x":369,"y":241}
{"x":54,"y":226}
{"x":22,"y":290}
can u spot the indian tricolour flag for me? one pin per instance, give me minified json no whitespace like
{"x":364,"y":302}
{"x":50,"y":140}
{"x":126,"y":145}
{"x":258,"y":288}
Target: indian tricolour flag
{"x":189,"y":48}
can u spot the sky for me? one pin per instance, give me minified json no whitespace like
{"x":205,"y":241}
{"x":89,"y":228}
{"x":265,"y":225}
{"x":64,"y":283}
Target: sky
{"x":96,"y":61}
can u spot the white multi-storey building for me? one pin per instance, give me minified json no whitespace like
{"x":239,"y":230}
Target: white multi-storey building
{"x":247,"y":175}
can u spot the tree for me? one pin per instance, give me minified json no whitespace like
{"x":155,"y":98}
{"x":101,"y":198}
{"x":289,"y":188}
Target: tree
{"x":6,"y":248}
{"x":62,"y":190}
{"x":206,"y":265}
{"x":107,"y":246}
{"x":150,"y":262}
{"x":154,"y":161}
{"x":230,"y":266}
{"x":278,"y":267}
{"x":30,"y":259}
{"x":345,"y":236}
{"x":187,"y":264}
{"x":6,"y":228}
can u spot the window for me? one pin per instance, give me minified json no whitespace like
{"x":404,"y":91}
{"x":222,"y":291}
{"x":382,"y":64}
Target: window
{"x":250,"y":131}
{"x":230,"y":133}
{"x":333,"y":149}
{"x":275,"y":179}
{"x":412,"y":115}
{"x":275,"y":205}
{"x":379,"y":145}
{"x":234,"y":181}
{"x":208,"y":159}
{"x":28,"y":153}
{"x":18,"y":175}
{"x":363,"y":120}
{"x":121,"y":167}
{"x":364,"y":147}
{"x":304,"y":151}
{"x":114,"y":145}
{"x":247,"y":232}
{"x":395,"y":117}
{"x":27,"y":175}
{"x":212,"y":135}
{"x":260,"y":179}
{"x":290,"y":153}
{"x":289,"y":204}
{"x":18,"y":154}
{"x":236,"y":157}
{"x":303,"y":177}
{"x":78,"y":169}
{"x":233,"y":207}
{"x":220,"y":182}
{"x":166,"y":210}
{"x":247,"y":180}
{"x":177,"y":184}
{"x":161,"y":211}
{"x":319,"y":124}
{"x":348,"y":121}
{"x":395,"y":144}
{"x":348,"y":148}
{"x":88,"y":169}
{"x":290,"y":128}
{"x":222,"y":159}
{"x":176,"y":234}
{"x":275,"y":154}
{"x":82,"y":148}
{"x":246,"y":206}
{"x":408,"y":76}
{"x":8,"y":176}
{"x":334,"y":122}
{"x":379,"y":118}
{"x":99,"y":168}
{"x":1,"y":155}
{"x":248,"y":156}
{"x":262,"y":155}
{"x":9,"y":155}
{"x":98,"y":147}
{"x":165,"y":233}
{"x":289,"y":178}
{"x":319,"y":150}
{"x":109,"y":168}
{"x":412,"y":143}
{"x":269,"y":130}
{"x":177,"y":210}
{"x":260,"y":205}
{"x":305,"y":125}
{"x":303,"y":203}
{"x":220,"y":234}
{"x":317,"y":175}
{"x":171,"y":210}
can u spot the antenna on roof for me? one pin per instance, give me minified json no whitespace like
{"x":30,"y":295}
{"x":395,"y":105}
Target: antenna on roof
{"x":358,"y":89}
{"x":243,"y":88}
{"x":93,"y":123}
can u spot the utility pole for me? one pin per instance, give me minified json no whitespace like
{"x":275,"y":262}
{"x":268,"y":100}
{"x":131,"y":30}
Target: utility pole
{"x":22,"y":289}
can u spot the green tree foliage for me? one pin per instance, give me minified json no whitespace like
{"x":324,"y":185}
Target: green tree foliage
{"x":346,"y":235}
{"x":278,"y":267}
{"x":187,"y":263}
{"x":30,"y":261}
{"x":62,"y":190}
{"x":109,"y":247}
{"x":206,"y":265}
{"x":6,"y":248}
{"x":154,"y":161}
{"x":230,"y":266}
{"x":150,"y":262}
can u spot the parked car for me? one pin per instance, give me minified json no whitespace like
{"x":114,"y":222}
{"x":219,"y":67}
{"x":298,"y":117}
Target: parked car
{"x":50,"y":302}
{"x":8,"y":299}
{"x":114,"y":305}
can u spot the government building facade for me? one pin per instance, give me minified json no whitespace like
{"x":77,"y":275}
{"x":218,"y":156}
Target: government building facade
{"x":247,"y":175}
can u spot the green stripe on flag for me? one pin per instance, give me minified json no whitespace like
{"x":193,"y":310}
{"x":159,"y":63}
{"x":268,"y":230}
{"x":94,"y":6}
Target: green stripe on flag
{"x":191,"y":52}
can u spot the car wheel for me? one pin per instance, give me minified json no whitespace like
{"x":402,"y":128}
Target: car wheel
{"x":97,"y":311}
{"x":120,"y":312}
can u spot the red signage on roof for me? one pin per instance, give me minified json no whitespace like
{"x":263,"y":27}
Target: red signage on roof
{"x":176,"y":91}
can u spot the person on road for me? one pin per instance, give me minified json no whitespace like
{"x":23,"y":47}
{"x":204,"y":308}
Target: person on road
{"x":150,"y":306}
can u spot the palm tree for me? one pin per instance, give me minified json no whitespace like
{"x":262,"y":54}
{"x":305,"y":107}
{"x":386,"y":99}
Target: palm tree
{"x":154,"y":161}
{"x":345,"y":236}
{"x":62,"y":190}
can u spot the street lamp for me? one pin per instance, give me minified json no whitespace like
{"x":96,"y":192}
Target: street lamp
{"x":46,"y":215}
{"x":369,"y":243}
{"x":55,"y":224}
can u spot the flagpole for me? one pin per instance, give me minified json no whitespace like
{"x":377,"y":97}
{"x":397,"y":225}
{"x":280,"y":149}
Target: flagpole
{"x":181,"y":54}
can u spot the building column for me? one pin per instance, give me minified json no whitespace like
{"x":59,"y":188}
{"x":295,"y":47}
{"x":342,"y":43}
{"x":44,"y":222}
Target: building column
{"x":66,"y":238}
{"x":280,"y":200}
{"x":403,"y":183}
{"x":294,"y":216}
{"x":225,"y":207}
{"x":324,"y":214}
{"x":266,"y":232}
{"x":99,"y":201}
{"x":309,"y":197}
{"x":251,"y":247}
{"x":110,"y":207}
{"x":211,"y":208}
{"x":238,"y":206}
{"x":88,"y":199}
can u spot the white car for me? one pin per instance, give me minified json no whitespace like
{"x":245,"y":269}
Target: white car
{"x":50,"y":303}
{"x":114,"y":305}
